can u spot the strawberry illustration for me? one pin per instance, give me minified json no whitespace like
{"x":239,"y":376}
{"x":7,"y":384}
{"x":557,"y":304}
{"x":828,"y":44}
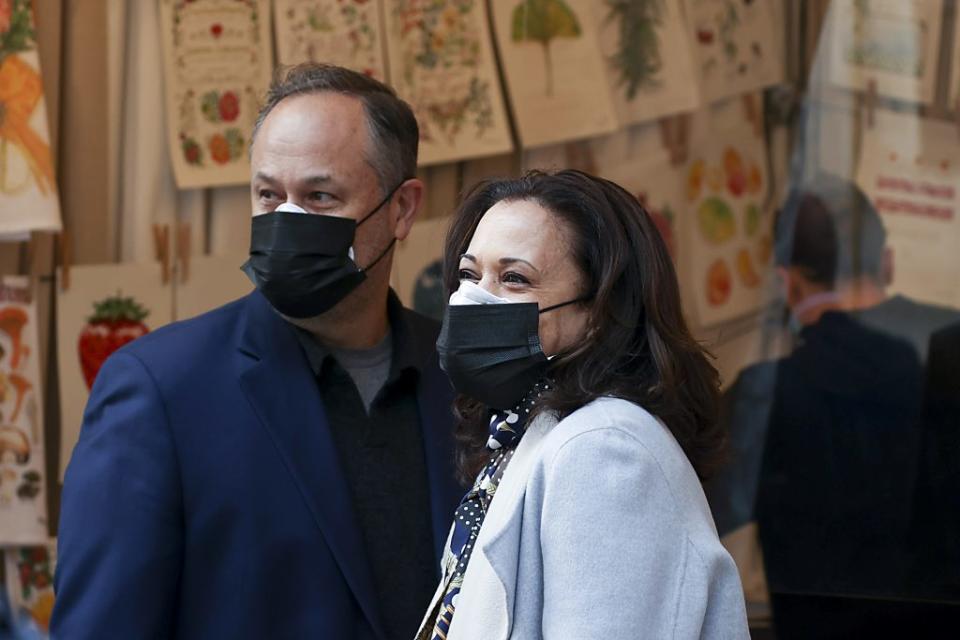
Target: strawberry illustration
{"x":115,"y":322}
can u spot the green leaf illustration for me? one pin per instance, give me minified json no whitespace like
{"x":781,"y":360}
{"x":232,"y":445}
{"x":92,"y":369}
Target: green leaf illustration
{"x":542,"y":21}
{"x":637,"y":60}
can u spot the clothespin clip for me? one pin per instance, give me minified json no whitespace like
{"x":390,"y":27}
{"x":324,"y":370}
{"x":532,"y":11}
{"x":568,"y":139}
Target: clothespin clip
{"x":63,"y":248}
{"x":675,"y":137}
{"x":956,"y":114}
{"x":161,"y":245}
{"x":870,"y":102}
{"x":580,"y":156}
{"x":753,"y":112}
{"x":183,"y":250}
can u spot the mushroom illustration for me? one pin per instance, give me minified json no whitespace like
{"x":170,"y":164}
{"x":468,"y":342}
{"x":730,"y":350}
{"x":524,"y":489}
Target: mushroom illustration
{"x":12,"y":321}
{"x":15,"y":441}
{"x":21,"y":385}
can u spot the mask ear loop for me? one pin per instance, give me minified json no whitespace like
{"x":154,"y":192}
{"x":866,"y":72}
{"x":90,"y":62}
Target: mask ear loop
{"x":367,"y":217}
{"x":382,"y":202}
{"x":564,"y":304}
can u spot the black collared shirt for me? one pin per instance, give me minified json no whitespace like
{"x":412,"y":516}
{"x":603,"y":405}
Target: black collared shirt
{"x":382,"y":457}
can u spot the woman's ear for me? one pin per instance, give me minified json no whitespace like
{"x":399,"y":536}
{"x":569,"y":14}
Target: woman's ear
{"x":406,"y":204}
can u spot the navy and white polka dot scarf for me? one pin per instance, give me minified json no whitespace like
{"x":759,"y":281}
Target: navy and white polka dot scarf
{"x":506,"y":430}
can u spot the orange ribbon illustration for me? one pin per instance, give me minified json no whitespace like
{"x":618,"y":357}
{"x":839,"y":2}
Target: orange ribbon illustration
{"x":20,"y":92}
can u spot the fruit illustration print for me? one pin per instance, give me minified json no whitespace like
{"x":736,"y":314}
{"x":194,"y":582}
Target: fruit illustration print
{"x":116,"y":321}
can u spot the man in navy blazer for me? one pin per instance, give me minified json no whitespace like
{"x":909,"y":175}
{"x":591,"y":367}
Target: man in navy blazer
{"x":282,"y":466}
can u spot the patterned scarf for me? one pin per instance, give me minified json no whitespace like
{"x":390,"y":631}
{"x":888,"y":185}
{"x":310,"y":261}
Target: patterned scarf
{"x":506,"y":430}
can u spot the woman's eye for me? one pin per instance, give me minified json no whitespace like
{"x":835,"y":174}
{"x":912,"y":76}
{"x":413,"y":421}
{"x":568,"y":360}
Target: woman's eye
{"x":515,"y":278}
{"x":466,"y":274}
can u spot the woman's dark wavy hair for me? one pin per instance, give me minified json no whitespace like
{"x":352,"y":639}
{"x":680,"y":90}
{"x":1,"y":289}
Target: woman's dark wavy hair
{"x":637,"y":344}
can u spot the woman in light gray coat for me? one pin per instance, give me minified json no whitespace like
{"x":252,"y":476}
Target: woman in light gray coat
{"x":587,"y":415}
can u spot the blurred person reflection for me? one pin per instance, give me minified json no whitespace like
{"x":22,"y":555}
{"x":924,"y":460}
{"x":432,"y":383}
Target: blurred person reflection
{"x":827,"y":440}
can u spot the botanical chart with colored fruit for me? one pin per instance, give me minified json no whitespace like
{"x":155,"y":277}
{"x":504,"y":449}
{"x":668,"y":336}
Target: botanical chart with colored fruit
{"x":23,"y":505}
{"x":648,"y":59}
{"x":910,"y":169}
{"x":554,"y":69}
{"x":342,"y":32}
{"x":213,"y":281}
{"x":30,"y":581}
{"x":442,"y":63}
{"x":217,"y":62}
{"x":892,"y":42}
{"x":417,"y":275}
{"x":28,"y":188}
{"x":104,"y":308}
{"x":730,"y":240}
{"x":736,"y":46}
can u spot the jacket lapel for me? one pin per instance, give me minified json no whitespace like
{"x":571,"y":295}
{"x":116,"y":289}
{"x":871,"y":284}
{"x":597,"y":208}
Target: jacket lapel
{"x":485,"y":608}
{"x":282,"y":391}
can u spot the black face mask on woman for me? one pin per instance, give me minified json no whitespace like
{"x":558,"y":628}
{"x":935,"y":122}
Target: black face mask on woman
{"x":492,"y":352}
{"x":302,"y":263}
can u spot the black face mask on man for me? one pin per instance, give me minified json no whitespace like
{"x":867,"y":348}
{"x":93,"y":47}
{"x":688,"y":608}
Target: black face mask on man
{"x":490,"y":347}
{"x":303,"y":263}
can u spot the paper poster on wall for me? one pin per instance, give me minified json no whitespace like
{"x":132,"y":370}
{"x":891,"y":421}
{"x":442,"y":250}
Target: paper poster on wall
{"x":649,"y":65}
{"x":554,"y":69}
{"x":28,"y":188}
{"x":104,"y":308}
{"x":736,"y":46}
{"x":910,"y":169}
{"x":954,"y":96}
{"x":895,"y":43}
{"x":213,"y":281}
{"x":729,"y":239}
{"x":418,"y":268}
{"x":30,"y":573}
{"x":636,"y":160}
{"x":442,"y":63}
{"x":217,"y":58}
{"x":23,"y":502}
{"x":345,"y":33}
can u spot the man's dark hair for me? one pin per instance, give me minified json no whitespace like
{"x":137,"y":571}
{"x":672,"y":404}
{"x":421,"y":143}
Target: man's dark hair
{"x":394,"y":133}
{"x":830,"y":231}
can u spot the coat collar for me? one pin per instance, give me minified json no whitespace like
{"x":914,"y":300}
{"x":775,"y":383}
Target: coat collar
{"x":281,"y":389}
{"x":489,"y":585}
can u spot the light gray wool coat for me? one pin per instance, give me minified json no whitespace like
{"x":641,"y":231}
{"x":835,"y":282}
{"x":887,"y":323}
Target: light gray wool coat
{"x":599,"y":529}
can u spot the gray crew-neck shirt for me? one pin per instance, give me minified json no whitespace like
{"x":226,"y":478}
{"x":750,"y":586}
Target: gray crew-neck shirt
{"x":369,"y":368}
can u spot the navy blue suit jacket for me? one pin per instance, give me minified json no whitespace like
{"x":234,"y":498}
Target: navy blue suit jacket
{"x":205,"y":497}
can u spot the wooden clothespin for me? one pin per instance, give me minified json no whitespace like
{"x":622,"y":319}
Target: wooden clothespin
{"x":580,"y":156}
{"x":870,"y":102}
{"x":183,"y":250}
{"x":63,"y":246}
{"x":956,"y":114}
{"x":161,"y":245}
{"x":675,"y":137}
{"x":753,"y":112}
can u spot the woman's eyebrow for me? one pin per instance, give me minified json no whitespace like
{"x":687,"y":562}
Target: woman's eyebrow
{"x":467,"y":256}
{"x":508,"y":260}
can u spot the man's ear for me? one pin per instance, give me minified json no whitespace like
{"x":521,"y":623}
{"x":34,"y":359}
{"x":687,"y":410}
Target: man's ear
{"x":406,"y":204}
{"x":887,"y":267}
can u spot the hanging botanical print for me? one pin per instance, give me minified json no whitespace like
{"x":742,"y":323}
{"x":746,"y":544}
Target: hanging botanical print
{"x":729,"y":234}
{"x":30,"y":573}
{"x":893,"y":43}
{"x":217,"y":62}
{"x":910,"y":169}
{"x":442,"y":63}
{"x":28,"y":190}
{"x":347,"y":33}
{"x":736,"y":46}
{"x":23,"y":504}
{"x":104,"y":308}
{"x":417,"y":275}
{"x":648,"y":59}
{"x":554,"y":69}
